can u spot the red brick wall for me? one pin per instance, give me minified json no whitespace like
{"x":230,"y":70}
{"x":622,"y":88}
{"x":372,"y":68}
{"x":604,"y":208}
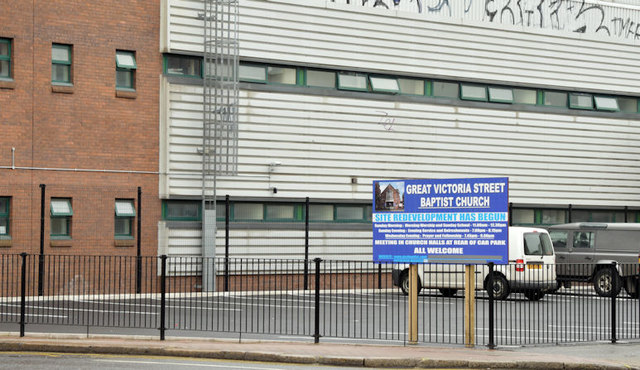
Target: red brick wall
{"x":86,"y":127}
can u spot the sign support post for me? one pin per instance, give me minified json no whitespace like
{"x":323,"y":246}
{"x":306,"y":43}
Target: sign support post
{"x":469,"y":305}
{"x":413,"y":304}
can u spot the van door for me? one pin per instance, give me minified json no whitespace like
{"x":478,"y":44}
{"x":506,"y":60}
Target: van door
{"x":582,"y":253}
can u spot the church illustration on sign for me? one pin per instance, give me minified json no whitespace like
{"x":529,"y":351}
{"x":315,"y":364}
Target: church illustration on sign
{"x":391,"y":198}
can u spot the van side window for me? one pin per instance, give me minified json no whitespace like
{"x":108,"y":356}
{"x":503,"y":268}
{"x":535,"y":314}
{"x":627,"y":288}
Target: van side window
{"x":537,"y":244}
{"x":559,"y":238}
{"x":583,"y":239}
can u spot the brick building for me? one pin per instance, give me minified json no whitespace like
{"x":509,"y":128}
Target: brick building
{"x":79,"y":115}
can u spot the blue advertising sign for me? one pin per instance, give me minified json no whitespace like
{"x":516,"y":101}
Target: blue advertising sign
{"x":441,"y":220}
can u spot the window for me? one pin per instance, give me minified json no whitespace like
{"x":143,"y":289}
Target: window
{"x":580,"y":101}
{"x":61,"y":63}
{"x":583,"y":239}
{"x":320,"y":212}
{"x":559,"y":238}
{"x":445,"y":89}
{"x":248,"y":212}
{"x":181,"y":210}
{"x":352,"y":81}
{"x":525,"y":96}
{"x":180,"y":65}
{"x":500,"y":95}
{"x":61,"y":213}
{"x":252,"y":73}
{"x":523,"y":216}
{"x":280,"y":75}
{"x":5,"y":58}
{"x":552,"y":216}
{"x":349,"y":213}
{"x":4,"y":216}
{"x":628,"y":105}
{"x":537,"y":244}
{"x":606,"y":103}
{"x":283,"y":212}
{"x":125,"y":69}
{"x":321,"y":78}
{"x":125,"y":213}
{"x":555,"y":99}
{"x":384,"y":84}
{"x":411,"y":86}
{"x":473,"y":92}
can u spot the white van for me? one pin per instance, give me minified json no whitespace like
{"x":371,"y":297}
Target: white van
{"x":531,"y":269}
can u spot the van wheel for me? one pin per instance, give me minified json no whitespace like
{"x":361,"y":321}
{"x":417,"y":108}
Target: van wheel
{"x":534,"y":295}
{"x":603,"y":282}
{"x":447,"y":292}
{"x":404,"y":282}
{"x":631,"y":286}
{"x":500,"y":287}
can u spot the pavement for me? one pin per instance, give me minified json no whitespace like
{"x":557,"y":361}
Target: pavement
{"x":583,"y":356}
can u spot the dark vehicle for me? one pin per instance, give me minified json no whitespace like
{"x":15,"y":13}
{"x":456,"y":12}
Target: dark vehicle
{"x":586,"y":252}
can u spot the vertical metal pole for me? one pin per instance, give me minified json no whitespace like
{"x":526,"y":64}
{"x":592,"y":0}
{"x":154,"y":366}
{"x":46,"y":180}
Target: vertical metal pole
{"x":380,"y":276}
{"x":614,"y":288}
{"x":163,"y":292}
{"x":316,"y":335}
{"x":41,"y":256}
{"x":227,"y":208}
{"x":23,"y":293}
{"x":510,"y":214}
{"x":139,"y":249}
{"x":306,"y":244}
{"x":570,"y":211}
{"x":492,"y":343}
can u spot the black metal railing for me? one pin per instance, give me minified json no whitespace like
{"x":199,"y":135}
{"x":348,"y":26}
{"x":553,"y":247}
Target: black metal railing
{"x":320,"y":298}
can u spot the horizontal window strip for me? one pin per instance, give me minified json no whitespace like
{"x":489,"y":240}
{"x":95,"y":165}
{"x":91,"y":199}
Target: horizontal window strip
{"x":402,"y":85}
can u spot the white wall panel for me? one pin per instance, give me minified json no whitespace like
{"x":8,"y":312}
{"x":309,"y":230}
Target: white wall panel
{"x":538,"y":47}
{"x":282,"y":244}
{"x":322,"y":142}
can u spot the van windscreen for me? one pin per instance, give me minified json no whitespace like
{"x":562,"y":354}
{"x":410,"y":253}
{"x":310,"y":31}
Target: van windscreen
{"x":537,"y":244}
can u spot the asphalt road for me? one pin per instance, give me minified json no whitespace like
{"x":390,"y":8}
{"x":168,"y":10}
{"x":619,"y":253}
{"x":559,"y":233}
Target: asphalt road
{"x":64,"y":361}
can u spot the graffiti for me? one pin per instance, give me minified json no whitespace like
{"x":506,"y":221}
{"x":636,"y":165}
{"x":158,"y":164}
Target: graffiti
{"x":386,"y":121}
{"x":438,"y":7}
{"x":571,"y":16}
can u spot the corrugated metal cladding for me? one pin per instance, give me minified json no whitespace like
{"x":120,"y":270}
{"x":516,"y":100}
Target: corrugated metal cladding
{"x":322,"y":142}
{"x":282,"y":244}
{"x":565,"y":44}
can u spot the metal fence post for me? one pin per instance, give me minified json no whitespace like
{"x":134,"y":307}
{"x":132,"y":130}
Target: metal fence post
{"x":316,"y":335}
{"x":139,"y":245}
{"x":23,"y":293}
{"x":163,"y":291}
{"x":614,"y":288}
{"x":226,"y":243}
{"x":306,"y":244}
{"x":41,"y":257}
{"x":492,"y":343}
